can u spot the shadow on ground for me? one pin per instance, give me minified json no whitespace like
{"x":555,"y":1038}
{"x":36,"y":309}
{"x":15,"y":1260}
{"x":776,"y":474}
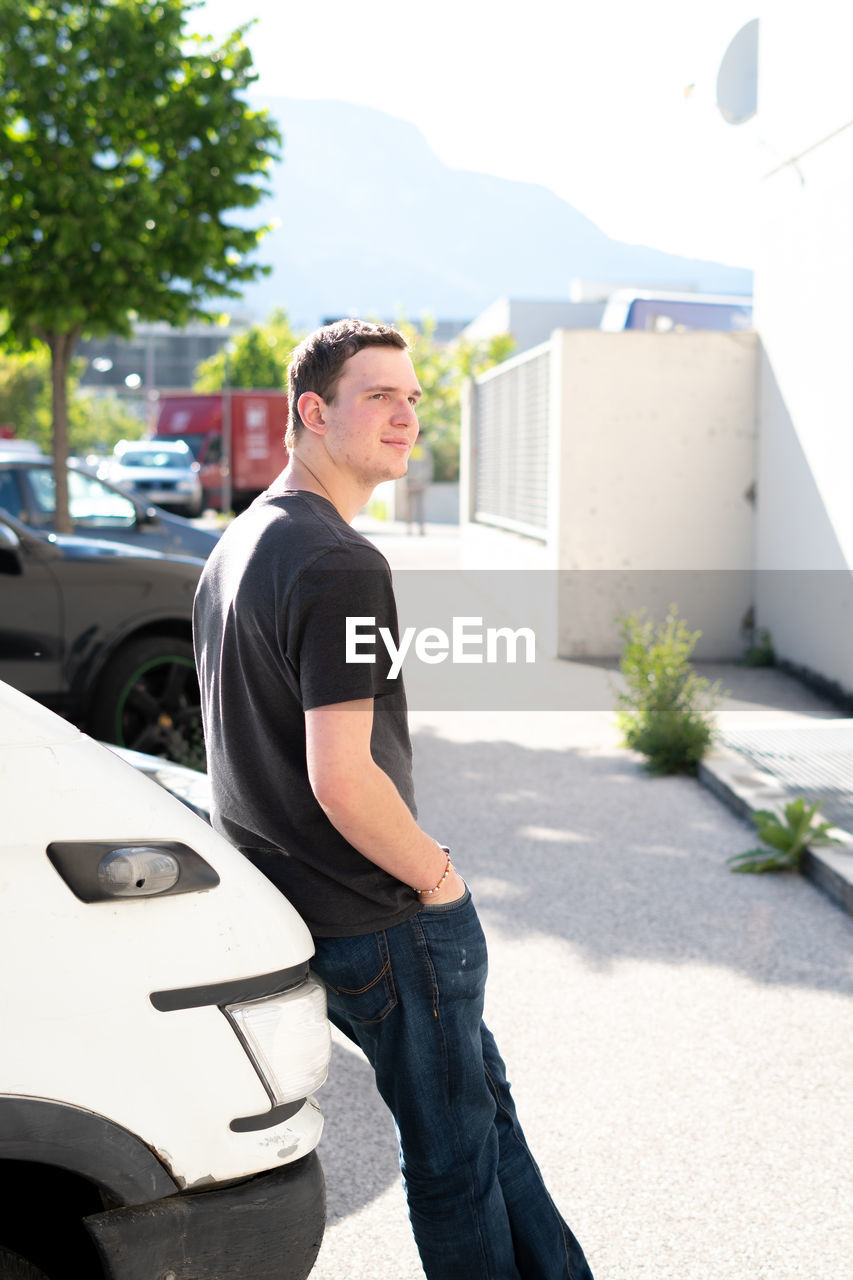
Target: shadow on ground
{"x":585,"y":846}
{"x":359,"y":1146}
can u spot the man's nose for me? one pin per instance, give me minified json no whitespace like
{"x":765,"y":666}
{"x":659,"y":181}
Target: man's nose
{"x":407,"y":413}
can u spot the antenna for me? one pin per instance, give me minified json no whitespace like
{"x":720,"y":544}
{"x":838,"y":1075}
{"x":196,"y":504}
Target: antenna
{"x":737,"y":78}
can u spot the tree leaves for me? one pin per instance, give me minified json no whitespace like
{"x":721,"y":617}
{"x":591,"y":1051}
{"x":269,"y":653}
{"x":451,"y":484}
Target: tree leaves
{"x":259,"y":358}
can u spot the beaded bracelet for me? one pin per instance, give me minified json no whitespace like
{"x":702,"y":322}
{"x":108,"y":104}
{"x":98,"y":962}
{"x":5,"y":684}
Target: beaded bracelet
{"x":429,"y":892}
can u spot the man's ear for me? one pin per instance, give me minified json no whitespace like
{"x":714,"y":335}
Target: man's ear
{"x":311,"y":408}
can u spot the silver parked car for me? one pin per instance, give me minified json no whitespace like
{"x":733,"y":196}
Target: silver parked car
{"x":161,"y":471}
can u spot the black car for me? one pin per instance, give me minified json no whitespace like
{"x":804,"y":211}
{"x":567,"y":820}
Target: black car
{"x":102,"y":633}
{"x":97,"y":508}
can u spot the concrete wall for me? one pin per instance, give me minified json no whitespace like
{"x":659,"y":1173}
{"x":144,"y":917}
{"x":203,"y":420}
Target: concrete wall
{"x":658,"y":450}
{"x":658,"y":465}
{"x":652,"y":473}
{"x":804,"y":286}
{"x":440,"y":506}
{"x":441,"y":502}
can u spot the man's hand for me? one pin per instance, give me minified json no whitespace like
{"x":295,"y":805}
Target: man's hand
{"x":451,"y":891}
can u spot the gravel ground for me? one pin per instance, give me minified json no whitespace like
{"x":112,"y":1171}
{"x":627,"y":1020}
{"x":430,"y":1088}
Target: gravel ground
{"x":680,"y":1039}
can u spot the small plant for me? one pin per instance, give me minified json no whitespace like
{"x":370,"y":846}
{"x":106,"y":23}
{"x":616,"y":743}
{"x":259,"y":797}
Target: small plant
{"x":666,"y":712}
{"x":760,"y":652}
{"x":785,"y":842}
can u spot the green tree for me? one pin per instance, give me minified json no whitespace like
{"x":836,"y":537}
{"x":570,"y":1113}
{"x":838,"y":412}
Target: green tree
{"x":442,"y":372}
{"x":124,"y":144}
{"x":258,"y":360}
{"x":95,"y":422}
{"x":25,"y":393}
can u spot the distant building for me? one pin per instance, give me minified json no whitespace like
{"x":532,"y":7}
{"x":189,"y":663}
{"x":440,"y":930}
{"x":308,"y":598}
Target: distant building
{"x":663,"y":312}
{"x":156,"y":356}
{"x":533,"y":320}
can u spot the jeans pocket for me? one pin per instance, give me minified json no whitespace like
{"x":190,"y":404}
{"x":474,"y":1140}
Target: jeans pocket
{"x":452,"y":938}
{"x":357,"y":975}
{"x":443,"y":907}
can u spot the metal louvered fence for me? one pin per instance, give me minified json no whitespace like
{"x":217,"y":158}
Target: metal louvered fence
{"x":812,"y":760}
{"x":511,"y":445}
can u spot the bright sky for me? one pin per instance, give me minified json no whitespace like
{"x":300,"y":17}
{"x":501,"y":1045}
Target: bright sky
{"x":587,"y":97}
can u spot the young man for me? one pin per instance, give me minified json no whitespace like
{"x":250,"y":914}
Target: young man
{"x":310,"y":761}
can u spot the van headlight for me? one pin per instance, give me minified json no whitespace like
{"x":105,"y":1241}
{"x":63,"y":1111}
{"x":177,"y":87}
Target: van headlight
{"x":103,"y":870}
{"x":288,"y":1038}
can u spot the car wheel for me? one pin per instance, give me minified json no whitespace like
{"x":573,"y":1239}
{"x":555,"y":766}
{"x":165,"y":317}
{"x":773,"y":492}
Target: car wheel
{"x":148,"y":699}
{"x":14,"y":1267}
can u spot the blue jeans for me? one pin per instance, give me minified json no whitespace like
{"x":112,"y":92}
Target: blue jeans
{"x":412,"y":998}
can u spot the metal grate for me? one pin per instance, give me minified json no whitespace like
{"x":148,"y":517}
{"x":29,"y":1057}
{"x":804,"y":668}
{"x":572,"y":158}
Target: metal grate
{"x":511,"y":441}
{"x":814,"y":761}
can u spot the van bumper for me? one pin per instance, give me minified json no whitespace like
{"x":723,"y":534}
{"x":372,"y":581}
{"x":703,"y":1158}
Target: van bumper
{"x":269,"y":1227}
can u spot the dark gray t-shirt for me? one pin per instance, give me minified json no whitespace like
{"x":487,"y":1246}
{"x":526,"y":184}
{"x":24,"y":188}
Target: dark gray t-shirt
{"x":270,"y":635}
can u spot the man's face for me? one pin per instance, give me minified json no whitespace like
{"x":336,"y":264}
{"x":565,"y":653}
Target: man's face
{"x":372,"y":422}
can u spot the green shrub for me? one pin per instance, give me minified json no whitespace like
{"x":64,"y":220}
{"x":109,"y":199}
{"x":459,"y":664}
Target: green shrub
{"x":665,"y":714}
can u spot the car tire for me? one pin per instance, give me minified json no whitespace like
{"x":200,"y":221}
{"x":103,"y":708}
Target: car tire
{"x":14,"y":1267}
{"x":148,"y":699}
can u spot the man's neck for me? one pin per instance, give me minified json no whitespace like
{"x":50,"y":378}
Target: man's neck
{"x":308,"y":477}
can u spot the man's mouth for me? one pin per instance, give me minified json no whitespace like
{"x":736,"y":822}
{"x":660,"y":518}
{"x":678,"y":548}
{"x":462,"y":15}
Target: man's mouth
{"x":402,"y":445}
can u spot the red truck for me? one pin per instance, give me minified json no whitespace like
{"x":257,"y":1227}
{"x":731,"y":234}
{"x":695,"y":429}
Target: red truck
{"x":255,"y":421}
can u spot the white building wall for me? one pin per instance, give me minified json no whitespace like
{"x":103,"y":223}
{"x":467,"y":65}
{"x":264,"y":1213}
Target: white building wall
{"x":804,"y":287}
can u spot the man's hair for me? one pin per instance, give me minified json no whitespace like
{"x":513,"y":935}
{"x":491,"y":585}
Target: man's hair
{"x":318,"y":362}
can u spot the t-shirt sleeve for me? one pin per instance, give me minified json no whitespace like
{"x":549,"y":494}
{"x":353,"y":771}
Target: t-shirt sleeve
{"x":341,"y":606}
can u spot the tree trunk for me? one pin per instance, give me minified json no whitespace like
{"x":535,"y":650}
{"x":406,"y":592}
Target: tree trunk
{"x":61,"y":348}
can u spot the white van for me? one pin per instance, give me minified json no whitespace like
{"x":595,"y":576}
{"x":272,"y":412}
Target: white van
{"x":663,"y":312}
{"x":161,"y":1033}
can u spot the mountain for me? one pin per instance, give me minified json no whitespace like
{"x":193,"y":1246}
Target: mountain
{"x":371,"y":222}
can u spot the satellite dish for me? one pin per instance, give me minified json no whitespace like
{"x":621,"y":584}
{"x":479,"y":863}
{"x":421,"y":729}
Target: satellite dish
{"x":737,"y":79}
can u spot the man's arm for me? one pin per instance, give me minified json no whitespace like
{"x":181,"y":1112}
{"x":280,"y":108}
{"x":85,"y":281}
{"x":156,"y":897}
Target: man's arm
{"x":361,"y":801}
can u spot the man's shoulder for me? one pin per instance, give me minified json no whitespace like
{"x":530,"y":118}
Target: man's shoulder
{"x":310,"y":526}
{"x":299,"y":529}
